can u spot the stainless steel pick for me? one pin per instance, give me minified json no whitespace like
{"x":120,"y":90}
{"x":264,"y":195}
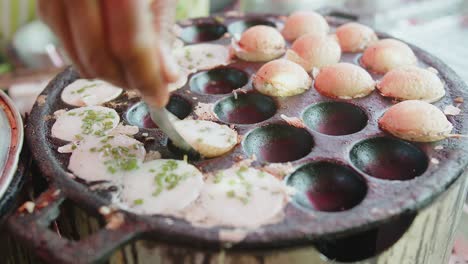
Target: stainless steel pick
{"x":160,"y":117}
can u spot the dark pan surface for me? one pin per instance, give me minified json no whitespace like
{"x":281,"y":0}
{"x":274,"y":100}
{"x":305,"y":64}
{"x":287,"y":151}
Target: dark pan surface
{"x":404,"y":179}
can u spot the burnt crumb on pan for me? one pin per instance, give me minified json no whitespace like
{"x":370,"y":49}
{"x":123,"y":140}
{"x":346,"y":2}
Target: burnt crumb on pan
{"x":233,"y":13}
{"x":48,"y":117}
{"x":68,"y":148}
{"x":27,"y":207}
{"x":238,"y":158}
{"x":149,"y":139}
{"x":105,"y":210}
{"x":114,"y":220}
{"x":237,"y":91}
{"x":452,"y":110}
{"x":205,"y":111}
{"x":232,"y":235}
{"x":132,"y":94}
{"x":432,"y":69}
{"x":152,"y":155}
{"x":293,"y":121}
{"x":41,"y":100}
{"x":239,"y":138}
{"x":168,"y":221}
{"x":114,"y":105}
{"x":59,"y":113}
{"x":459,"y":100}
{"x":279,"y":170}
{"x":219,"y":19}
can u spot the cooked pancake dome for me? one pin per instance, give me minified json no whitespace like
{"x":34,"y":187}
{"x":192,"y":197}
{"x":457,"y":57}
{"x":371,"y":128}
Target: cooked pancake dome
{"x":386,"y":55}
{"x":281,"y":78}
{"x":344,"y":81}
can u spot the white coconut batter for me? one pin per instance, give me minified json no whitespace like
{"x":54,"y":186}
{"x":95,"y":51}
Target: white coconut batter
{"x":240,"y":197}
{"x":208,"y":138}
{"x":161,"y":187}
{"x":83,"y":92}
{"x":202,"y":56}
{"x":84,"y":122}
{"x":106,"y":158}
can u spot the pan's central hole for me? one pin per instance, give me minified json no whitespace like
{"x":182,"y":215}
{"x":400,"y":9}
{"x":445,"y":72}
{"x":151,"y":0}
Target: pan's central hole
{"x":202,"y":32}
{"x":222,"y":80}
{"x":389,"y":159}
{"x":326,"y":186}
{"x":278,"y":143}
{"x":248,"y":108}
{"x":335,"y":118}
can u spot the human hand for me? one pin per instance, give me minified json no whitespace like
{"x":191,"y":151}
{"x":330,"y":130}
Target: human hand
{"x":125,"y":42}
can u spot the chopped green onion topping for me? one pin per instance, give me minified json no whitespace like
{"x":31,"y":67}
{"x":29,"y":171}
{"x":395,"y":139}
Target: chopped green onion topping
{"x":119,"y":158}
{"x":84,"y":88}
{"x":218,"y":178}
{"x":231,"y":194}
{"x":166,"y":179}
{"x":138,"y":202}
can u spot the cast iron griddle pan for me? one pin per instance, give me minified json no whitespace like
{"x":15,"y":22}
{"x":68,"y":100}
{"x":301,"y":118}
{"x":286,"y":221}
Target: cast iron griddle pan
{"x":382,"y":177}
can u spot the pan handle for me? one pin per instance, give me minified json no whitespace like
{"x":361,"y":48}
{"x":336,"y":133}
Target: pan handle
{"x":30,"y":224}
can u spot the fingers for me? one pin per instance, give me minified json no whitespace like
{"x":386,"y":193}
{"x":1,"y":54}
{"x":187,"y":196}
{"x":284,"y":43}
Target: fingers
{"x":169,"y":66}
{"x":133,"y":42}
{"x":53,"y":13}
{"x":164,"y":12}
{"x":115,"y":40}
{"x":89,"y":39}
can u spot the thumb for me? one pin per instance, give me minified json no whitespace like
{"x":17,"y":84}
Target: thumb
{"x":170,"y":69}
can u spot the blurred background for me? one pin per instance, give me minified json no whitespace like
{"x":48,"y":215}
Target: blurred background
{"x":439,"y":26}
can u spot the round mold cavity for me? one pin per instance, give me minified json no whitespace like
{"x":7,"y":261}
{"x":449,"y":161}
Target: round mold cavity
{"x":221,"y":80}
{"x":278,"y":143}
{"x":367,"y":244}
{"x":247,"y":108}
{"x":138,"y":114}
{"x":335,"y":118}
{"x":202,"y":32}
{"x":389,"y":159}
{"x":240,"y":26}
{"x":326,"y":186}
